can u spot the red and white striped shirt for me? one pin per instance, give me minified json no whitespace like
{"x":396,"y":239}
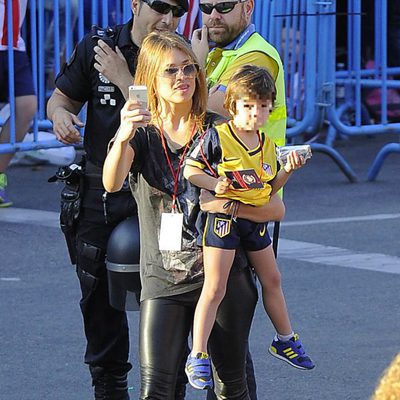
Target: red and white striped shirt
{"x":18,"y":16}
{"x":189,"y":21}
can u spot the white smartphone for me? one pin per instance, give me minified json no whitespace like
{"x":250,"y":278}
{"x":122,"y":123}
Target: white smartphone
{"x":138,"y":93}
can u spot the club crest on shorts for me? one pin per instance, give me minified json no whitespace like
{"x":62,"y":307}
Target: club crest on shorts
{"x":222,"y":227}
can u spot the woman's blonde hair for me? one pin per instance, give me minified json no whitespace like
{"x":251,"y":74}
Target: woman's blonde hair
{"x":154,"y":50}
{"x":388,"y":387}
{"x":249,"y":82}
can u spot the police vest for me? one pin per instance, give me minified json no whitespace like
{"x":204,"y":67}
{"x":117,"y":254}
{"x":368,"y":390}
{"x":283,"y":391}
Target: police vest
{"x":275,"y":127}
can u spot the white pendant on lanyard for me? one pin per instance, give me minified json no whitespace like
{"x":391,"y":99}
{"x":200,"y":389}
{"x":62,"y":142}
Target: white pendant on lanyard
{"x":171,"y":231}
{"x":172,"y":223}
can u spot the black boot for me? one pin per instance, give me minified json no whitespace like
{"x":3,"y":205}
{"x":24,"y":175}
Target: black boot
{"x":109,"y":386}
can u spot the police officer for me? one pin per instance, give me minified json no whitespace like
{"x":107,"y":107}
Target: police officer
{"x":98,"y":73}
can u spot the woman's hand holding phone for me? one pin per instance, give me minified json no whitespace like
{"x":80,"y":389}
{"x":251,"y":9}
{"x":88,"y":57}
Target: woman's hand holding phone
{"x":134,"y":115}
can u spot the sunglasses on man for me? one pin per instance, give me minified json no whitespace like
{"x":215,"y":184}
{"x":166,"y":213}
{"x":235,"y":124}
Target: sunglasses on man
{"x":164,"y":8}
{"x":222,"y":8}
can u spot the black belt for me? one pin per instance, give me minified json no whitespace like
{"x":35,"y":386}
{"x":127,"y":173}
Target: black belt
{"x":93,"y":176}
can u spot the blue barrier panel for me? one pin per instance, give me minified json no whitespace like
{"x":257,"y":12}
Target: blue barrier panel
{"x":287,"y":26}
{"x":299,"y":29}
{"x":362,"y":83}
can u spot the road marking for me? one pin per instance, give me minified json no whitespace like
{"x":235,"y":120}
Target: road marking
{"x":292,"y":249}
{"x":30,"y":217}
{"x":336,"y":256}
{"x":10,"y":279}
{"x":51,"y":218}
{"x":376,"y":217}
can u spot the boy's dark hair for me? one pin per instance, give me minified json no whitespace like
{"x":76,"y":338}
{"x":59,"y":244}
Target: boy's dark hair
{"x":249,"y":82}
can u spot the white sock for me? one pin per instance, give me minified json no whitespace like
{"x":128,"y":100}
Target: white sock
{"x":284,"y":338}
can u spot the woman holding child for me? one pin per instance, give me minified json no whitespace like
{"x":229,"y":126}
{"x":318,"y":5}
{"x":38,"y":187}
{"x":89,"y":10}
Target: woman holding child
{"x":151,"y":144}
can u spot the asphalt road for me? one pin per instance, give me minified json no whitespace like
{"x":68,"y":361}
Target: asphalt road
{"x":339,"y":254}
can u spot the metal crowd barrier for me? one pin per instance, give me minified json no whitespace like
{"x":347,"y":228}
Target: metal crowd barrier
{"x":303,"y":31}
{"x":355,"y":79}
{"x":71,"y":19}
{"x":294,"y":27}
{"x":315,"y":79}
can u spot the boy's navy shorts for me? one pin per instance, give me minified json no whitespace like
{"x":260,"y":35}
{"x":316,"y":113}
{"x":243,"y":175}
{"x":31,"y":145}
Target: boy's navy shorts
{"x":23,"y":82}
{"x":218,"y":230}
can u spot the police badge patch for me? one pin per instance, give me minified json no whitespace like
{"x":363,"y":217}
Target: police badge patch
{"x":103,"y":78}
{"x":222,"y":227}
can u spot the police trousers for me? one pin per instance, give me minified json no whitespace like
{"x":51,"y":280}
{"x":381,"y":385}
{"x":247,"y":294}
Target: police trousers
{"x":165,"y":325}
{"x":106,"y":328}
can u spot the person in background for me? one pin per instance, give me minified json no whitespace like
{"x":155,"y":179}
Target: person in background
{"x":228,"y":40}
{"x":25,"y":97}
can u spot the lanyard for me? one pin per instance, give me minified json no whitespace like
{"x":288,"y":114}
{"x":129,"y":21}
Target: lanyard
{"x":175,"y":175}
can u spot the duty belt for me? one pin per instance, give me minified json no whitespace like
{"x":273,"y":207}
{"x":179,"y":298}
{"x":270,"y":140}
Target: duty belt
{"x":93,"y":176}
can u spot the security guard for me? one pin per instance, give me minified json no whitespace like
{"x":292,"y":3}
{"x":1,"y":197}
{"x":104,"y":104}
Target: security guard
{"x":98,"y":73}
{"x":236,"y":43}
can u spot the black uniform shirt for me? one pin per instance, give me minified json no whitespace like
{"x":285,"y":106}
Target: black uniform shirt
{"x":80,"y":81}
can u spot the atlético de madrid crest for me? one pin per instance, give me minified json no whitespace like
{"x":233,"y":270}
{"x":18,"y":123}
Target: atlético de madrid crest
{"x":222,"y":227}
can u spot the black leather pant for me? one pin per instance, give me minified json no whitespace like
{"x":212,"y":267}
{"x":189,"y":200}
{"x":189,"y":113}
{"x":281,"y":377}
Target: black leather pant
{"x":165,"y":325}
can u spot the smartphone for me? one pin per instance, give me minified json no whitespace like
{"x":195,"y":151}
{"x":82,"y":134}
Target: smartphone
{"x":138,"y":93}
{"x":283,"y":151}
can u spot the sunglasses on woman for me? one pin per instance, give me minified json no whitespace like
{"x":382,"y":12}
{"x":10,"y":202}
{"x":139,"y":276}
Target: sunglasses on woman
{"x":189,"y":70}
{"x":165,"y":8}
{"x":222,"y":8}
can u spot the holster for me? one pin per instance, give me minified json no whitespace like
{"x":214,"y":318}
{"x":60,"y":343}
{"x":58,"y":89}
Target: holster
{"x":70,"y":208}
{"x":70,"y":203}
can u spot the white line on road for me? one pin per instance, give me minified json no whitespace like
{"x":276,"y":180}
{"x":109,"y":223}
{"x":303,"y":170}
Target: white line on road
{"x":303,"y":251}
{"x":10,"y":279}
{"x":30,"y":217}
{"x":51,"y":218}
{"x":329,"y":255}
{"x":376,"y":217}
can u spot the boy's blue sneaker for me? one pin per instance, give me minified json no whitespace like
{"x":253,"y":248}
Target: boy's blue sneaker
{"x":292,"y":352}
{"x":4,"y":202}
{"x":198,"y":371}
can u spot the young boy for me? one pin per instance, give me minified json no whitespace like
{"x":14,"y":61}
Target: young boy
{"x":239,"y":163}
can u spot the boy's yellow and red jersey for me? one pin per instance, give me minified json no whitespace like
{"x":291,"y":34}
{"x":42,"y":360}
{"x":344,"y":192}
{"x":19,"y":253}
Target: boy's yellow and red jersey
{"x":222,"y":150}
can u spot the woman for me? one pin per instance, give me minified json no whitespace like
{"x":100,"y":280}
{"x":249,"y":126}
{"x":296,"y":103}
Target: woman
{"x":152,"y":145}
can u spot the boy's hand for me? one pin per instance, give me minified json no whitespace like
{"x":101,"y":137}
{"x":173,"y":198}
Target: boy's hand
{"x":294,"y":161}
{"x":222,"y":185}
